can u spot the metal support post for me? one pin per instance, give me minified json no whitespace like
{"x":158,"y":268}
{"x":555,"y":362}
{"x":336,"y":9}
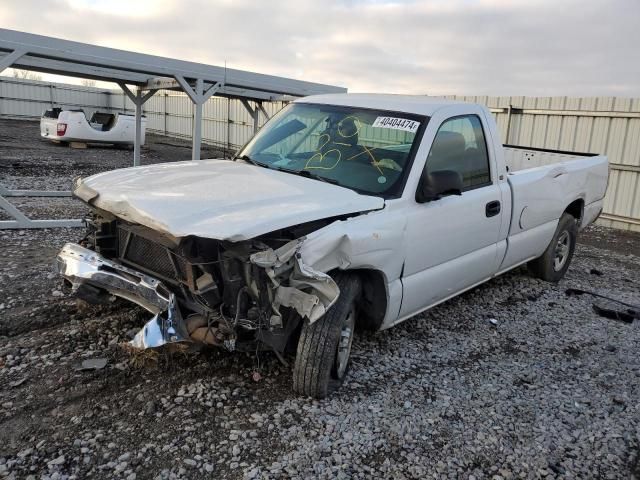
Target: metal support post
{"x":255,"y":113}
{"x":197,"y":122}
{"x":506,"y":140}
{"x":137,"y":143}
{"x":138,"y":99}
{"x":164,"y":112}
{"x":198,"y":96}
{"x":256,"y":120}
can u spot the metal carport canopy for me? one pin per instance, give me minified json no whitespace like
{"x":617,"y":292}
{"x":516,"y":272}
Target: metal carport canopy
{"x":149,"y":72}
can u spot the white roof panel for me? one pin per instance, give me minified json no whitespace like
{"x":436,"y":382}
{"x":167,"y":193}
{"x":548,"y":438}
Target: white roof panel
{"x":418,"y":104}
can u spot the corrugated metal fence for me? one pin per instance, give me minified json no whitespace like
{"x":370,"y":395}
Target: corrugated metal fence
{"x":607,"y":125}
{"x":29,"y":98}
{"x":601,"y":125}
{"x":225,"y":122}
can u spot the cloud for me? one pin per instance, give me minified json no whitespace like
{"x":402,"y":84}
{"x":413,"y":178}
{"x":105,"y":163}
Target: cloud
{"x":475,"y":47}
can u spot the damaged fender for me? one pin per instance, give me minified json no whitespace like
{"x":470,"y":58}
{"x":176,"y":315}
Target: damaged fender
{"x":309,"y":305}
{"x":344,"y":244}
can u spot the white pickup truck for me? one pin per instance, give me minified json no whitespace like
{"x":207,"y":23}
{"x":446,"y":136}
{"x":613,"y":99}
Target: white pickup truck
{"x":343,"y":211}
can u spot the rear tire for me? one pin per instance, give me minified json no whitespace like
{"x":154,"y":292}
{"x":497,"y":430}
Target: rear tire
{"x":324,"y":347}
{"x":554,"y":262}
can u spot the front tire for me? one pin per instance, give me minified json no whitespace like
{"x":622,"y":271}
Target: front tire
{"x":324,"y":347}
{"x":554,"y":262}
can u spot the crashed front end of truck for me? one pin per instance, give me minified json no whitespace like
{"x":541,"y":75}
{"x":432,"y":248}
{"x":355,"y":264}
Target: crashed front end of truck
{"x":288,"y":245}
{"x":231,"y":294}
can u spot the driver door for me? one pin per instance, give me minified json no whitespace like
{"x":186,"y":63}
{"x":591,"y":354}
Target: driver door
{"x":452,"y":241}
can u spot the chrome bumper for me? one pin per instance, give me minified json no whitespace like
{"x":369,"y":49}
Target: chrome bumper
{"x":82,"y":266}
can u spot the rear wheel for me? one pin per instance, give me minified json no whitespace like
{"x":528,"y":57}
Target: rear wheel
{"x":324,"y":347}
{"x":554,"y":262}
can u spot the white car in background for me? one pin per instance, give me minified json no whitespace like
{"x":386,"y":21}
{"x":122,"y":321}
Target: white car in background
{"x":72,"y":126}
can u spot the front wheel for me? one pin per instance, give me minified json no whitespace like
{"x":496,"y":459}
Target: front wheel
{"x":324,"y":347}
{"x":554,"y":262}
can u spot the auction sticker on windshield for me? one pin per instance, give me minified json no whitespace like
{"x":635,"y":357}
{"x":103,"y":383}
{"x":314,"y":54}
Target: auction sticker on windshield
{"x":397,"y":124}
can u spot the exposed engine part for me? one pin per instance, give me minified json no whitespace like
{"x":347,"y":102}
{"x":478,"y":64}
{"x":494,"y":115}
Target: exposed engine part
{"x":209,"y":330}
{"x":230,"y":294}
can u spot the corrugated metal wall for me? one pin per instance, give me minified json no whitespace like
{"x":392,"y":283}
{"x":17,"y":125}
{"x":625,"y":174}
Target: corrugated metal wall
{"x":600,"y":125}
{"x":29,"y":98}
{"x":225,"y":122}
{"x":607,"y":125}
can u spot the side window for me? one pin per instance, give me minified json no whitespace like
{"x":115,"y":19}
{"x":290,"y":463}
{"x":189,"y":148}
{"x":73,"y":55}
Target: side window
{"x":460,"y":146}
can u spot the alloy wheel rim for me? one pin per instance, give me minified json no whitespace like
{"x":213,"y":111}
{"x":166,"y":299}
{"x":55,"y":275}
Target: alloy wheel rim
{"x":561,"y":251}
{"x":344,"y":344}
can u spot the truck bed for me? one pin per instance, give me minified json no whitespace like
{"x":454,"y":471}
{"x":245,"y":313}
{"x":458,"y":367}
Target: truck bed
{"x":520,"y":158}
{"x":543,"y":183}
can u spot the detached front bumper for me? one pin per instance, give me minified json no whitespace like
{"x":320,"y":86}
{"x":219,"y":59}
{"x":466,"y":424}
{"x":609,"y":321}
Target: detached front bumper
{"x":86,"y":269}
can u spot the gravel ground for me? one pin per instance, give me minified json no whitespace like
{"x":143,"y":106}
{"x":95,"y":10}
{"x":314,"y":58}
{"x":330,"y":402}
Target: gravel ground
{"x":513,"y":379}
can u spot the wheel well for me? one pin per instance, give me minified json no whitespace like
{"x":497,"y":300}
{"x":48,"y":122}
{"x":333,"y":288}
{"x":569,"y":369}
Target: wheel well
{"x":372,"y":302}
{"x":576,"y":209}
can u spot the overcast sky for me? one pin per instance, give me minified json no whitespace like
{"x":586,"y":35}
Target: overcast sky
{"x":474,"y":47}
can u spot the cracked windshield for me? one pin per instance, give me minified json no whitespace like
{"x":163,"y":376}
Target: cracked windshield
{"x":366,"y":150}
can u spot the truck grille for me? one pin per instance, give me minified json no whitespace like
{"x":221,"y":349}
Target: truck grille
{"x":149,"y":255}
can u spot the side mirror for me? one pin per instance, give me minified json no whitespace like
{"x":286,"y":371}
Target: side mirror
{"x":435,"y":185}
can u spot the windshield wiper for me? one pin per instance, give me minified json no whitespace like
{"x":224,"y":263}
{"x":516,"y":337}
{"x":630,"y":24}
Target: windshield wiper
{"x":250,"y":160}
{"x":315,"y":176}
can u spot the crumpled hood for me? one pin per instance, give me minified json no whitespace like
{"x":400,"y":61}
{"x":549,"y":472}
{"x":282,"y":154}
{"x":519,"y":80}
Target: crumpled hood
{"x":218,"y":199}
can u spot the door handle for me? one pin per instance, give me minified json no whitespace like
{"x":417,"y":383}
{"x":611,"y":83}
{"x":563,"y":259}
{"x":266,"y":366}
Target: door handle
{"x":492,"y":209}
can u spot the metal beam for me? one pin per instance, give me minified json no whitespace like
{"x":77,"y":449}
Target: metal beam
{"x":254,"y":112}
{"x":33,"y":193}
{"x":211,"y":90}
{"x":61,"y":67}
{"x":50,"y":48}
{"x":135,"y":97}
{"x":12,"y":210}
{"x":264,"y":112}
{"x":620,"y":218}
{"x":20,"y":220}
{"x":19,"y":225}
{"x":10,"y":59}
{"x":191,"y":93}
{"x":161,"y":83}
{"x":624,"y":168}
{"x":566,"y":113}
